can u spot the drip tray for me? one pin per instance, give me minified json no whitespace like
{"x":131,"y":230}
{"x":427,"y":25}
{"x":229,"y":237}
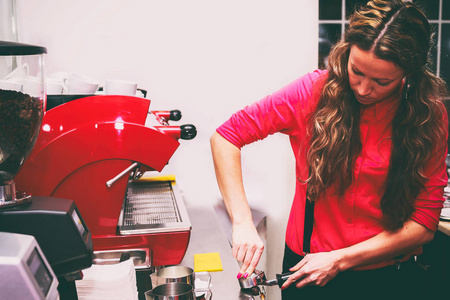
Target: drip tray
{"x":141,"y":257}
{"x":153,"y":207}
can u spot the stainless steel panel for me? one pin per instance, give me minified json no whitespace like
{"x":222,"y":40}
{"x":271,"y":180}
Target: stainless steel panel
{"x":141,"y":257}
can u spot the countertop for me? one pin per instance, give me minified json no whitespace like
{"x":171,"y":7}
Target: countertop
{"x":207,"y":236}
{"x":444,"y":227}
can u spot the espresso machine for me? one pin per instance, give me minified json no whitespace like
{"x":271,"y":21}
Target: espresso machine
{"x":94,"y":150}
{"x":55,"y":223}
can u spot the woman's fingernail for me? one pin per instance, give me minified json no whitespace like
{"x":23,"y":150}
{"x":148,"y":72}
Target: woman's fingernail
{"x":245,"y":275}
{"x":239,"y":275}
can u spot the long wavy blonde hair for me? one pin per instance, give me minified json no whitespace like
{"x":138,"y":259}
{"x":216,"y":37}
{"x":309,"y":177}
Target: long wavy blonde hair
{"x":399,"y":32}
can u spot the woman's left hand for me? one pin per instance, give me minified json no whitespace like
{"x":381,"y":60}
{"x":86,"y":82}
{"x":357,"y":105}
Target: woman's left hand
{"x":314,"y":269}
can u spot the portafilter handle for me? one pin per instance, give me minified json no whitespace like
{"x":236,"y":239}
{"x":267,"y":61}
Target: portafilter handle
{"x":256,"y":278}
{"x":281,"y":278}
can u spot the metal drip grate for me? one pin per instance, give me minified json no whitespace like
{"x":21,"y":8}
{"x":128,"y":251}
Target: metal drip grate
{"x":150,"y":204}
{"x":152,"y":207}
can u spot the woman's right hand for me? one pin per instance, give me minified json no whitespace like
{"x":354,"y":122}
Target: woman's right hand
{"x":247,"y":247}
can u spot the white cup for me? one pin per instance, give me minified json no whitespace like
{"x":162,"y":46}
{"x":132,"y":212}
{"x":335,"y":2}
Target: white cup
{"x":61,"y":75}
{"x":54,"y":86}
{"x":32,"y":86}
{"x":120,"y":87}
{"x":78,"y":84}
{"x":10,"y":85}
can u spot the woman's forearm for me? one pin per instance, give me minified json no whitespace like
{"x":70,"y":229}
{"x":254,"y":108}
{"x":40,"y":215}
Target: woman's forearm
{"x":247,"y":245}
{"x":227,"y":165}
{"x":319,"y":268}
{"x":385,"y":246}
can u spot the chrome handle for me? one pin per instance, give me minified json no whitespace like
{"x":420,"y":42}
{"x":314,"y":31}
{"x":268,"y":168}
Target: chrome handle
{"x":110,"y":182}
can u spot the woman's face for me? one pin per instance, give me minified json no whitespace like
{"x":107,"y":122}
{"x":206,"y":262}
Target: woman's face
{"x":373,"y":80}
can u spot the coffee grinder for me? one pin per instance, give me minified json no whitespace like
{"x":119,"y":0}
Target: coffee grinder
{"x":55,"y":223}
{"x":25,"y":272}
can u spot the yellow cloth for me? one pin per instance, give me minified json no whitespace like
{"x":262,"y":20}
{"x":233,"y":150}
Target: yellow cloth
{"x":207,"y":262}
{"x":157,"y":178}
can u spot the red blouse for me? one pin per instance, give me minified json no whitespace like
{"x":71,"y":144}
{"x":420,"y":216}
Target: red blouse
{"x":354,"y":217}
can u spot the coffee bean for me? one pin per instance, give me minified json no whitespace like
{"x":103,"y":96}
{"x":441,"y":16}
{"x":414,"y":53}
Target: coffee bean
{"x":20,"y":121}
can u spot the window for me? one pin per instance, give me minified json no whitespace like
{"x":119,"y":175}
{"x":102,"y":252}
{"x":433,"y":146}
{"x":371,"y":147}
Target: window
{"x":333,"y":17}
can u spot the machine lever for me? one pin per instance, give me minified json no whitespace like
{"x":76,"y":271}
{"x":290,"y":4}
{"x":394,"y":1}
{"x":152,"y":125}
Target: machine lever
{"x":175,"y":115}
{"x":188,"y":132}
{"x":110,"y":182}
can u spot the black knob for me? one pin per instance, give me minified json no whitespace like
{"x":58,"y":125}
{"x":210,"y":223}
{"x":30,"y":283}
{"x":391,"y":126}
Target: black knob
{"x":188,"y":132}
{"x":175,"y":115}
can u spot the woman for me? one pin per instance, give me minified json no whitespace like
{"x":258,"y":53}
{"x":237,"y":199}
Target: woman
{"x":369,"y":135}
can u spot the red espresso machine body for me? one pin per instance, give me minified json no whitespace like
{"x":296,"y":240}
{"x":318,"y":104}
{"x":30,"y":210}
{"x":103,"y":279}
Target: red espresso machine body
{"x":85,"y":143}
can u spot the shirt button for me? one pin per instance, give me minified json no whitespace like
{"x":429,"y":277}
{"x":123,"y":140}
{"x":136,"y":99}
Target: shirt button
{"x":349,"y":220}
{"x":365,"y":121}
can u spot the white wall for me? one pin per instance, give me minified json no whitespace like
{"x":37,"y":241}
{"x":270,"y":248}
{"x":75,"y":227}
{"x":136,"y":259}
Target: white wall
{"x":207,"y":58}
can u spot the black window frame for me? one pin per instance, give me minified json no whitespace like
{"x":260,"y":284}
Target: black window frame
{"x":327,"y":37}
